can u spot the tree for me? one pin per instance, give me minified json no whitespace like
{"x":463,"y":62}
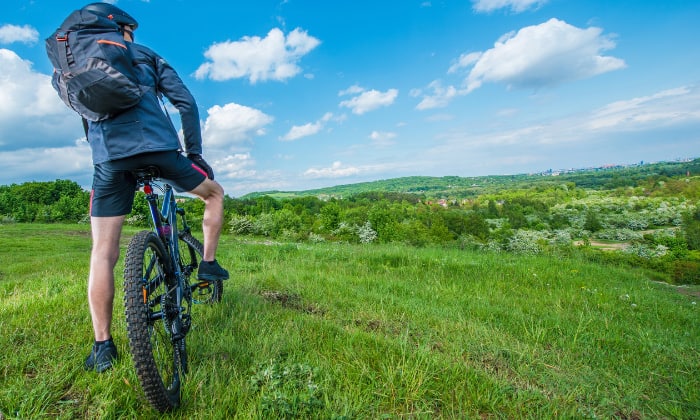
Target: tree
{"x":691,"y":229}
{"x":383,"y":219}
{"x":330,"y":216}
{"x":56,"y":201}
{"x":476,"y":226}
{"x":592,"y":222}
{"x":493,"y":210}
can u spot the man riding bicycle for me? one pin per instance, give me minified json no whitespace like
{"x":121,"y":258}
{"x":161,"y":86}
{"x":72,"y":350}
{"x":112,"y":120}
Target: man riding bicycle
{"x":136,"y":138}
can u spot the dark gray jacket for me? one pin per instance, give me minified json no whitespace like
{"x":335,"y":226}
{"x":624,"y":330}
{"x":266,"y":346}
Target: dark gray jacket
{"x":145,"y":127}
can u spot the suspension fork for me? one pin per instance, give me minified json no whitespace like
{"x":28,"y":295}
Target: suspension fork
{"x":169,"y":238}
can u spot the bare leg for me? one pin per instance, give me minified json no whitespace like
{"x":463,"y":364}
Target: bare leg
{"x":105,"y":253}
{"x":213,"y":195}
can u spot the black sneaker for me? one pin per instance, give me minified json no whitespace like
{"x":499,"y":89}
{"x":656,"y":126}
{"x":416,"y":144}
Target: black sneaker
{"x":101,"y":357}
{"x":211,"y":271}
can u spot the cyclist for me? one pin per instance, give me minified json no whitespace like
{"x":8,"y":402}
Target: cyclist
{"x":142,"y":136}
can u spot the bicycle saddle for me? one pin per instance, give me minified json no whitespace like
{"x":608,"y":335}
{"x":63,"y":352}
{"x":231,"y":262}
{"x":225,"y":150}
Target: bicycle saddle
{"x":149,"y":172}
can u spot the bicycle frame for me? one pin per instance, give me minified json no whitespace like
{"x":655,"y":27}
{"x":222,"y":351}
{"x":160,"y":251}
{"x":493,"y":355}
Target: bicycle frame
{"x":164,"y":223}
{"x":164,"y":220}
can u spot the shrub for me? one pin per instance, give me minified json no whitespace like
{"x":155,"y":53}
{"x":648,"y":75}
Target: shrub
{"x":686,"y":272}
{"x":241,"y":225}
{"x":345,"y":232}
{"x":561,"y":237}
{"x":136,"y":220}
{"x":644,"y":251}
{"x":4,"y":220}
{"x":366,"y":233}
{"x":618,"y":235}
{"x":525,"y":242}
{"x":316,"y":238}
{"x":264,"y":225}
{"x":592,"y":222}
{"x":691,"y":229}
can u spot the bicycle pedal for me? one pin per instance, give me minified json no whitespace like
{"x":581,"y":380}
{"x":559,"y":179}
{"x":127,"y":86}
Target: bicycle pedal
{"x":204,"y":288}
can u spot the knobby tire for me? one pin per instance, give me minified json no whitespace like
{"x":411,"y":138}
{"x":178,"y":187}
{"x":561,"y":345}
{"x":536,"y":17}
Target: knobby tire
{"x":160,"y":363}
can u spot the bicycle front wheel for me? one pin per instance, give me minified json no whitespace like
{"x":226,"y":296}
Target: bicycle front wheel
{"x":152,"y":321}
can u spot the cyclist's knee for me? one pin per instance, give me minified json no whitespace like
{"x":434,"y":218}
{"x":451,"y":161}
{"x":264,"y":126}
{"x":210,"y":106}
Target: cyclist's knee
{"x":209,"y":190}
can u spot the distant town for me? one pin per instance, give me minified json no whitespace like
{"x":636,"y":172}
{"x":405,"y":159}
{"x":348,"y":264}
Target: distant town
{"x":557,"y":172}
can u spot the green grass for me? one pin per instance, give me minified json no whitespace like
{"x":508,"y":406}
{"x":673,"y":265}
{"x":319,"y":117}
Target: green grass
{"x":342,"y":331}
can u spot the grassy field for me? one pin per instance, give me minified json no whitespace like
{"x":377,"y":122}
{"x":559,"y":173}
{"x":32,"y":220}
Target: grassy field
{"x":351,"y":332}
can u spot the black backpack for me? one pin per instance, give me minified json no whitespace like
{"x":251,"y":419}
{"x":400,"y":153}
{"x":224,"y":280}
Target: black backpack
{"x":93,"y":66}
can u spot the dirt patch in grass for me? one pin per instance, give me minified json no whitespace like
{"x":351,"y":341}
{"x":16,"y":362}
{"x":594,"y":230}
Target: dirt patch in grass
{"x":290,"y":301}
{"x":689,"y":291}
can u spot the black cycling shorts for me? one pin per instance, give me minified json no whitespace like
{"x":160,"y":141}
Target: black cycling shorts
{"x":114,"y":185}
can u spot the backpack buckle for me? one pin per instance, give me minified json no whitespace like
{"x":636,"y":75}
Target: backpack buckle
{"x":62,"y":36}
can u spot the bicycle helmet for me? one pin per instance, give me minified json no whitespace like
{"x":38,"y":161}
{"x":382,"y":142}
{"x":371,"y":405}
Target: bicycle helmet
{"x":112,"y":12}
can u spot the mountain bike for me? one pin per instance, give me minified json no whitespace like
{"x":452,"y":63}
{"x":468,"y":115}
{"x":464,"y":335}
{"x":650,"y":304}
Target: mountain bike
{"x":160,"y":287}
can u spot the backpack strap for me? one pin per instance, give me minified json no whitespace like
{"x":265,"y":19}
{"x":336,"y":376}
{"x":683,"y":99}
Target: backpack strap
{"x":85,"y":128}
{"x":64,"y":53}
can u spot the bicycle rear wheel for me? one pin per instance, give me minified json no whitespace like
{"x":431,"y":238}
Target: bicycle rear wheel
{"x":152,"y":321}
{"x":191,"y":251}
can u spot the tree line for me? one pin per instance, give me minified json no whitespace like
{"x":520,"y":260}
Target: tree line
{"x":658,"y":218}
{"x":58,"y":201}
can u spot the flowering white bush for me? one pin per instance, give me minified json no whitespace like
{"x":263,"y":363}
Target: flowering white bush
{"x":493,"y":246}
{"x":240,"y":225}
{"x":525,"y":242}
{"x":316,"y":238}
{"x":366,"y":233}
{"x":264,"y":225}
{"x":560,"y":237}
{"x":345,"y":231}
{"x":637,"y":223}
{"x":645,"y":251}
{"x":617,"y":234}
{"x":135,"y":220}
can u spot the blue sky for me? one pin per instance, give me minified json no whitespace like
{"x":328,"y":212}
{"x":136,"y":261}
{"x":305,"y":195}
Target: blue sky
{"x":301,"y":94}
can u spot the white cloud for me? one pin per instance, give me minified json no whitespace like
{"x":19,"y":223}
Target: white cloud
{"x":382,"y":138}
{"x":47,"y":164}
{"x":31,"y":112}
{"x":274,"y":57}
{"x":370,"y":100}
{"x":228,"y":125}
{"x":352,"y":90}
{"x":299,"y":131}
{"x":13,"y":33}
{"x":440,"y":117}
{"x":674,"y":108}
{"x":235,"y":166}
{"x":309,"y":129}
{"x":516,"y":6}
{"x":670,"y":107}
{"x":381,"y":135}
{"x":537,"y":56}
{"x":543,"y":55}
{"x":25,"y":92}
{"x":439,"y":98}
{"x":464,"y":60}
{"x":336,"y":170}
